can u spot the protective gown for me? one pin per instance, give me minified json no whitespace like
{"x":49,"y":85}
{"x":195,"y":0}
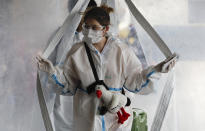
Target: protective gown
{"x":117,"y":65}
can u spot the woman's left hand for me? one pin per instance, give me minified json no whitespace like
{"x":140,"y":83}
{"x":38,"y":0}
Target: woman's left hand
{"x":166,"y":65}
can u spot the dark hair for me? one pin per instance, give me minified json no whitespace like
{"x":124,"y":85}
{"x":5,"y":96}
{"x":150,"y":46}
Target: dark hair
{"x":91,"y":4}
{"x":101,"y":14}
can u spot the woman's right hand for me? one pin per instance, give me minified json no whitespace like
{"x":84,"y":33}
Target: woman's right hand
{"x":45,"y":65}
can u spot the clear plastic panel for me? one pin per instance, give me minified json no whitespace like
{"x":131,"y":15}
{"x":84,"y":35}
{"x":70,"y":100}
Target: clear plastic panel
{"x":25,"y":28}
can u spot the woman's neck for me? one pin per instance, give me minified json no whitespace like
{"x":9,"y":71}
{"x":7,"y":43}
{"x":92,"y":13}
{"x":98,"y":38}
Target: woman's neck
{"x":99,"y":46}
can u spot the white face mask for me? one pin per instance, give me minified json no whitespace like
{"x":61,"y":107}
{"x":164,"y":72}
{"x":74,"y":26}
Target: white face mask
{"x":92,"y":36}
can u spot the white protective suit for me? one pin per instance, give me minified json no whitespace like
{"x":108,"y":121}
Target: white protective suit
{"x":117,"y":65}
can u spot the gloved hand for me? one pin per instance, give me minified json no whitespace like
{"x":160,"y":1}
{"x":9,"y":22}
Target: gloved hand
{"x":45,"y":65}
{"x":166,"y":65}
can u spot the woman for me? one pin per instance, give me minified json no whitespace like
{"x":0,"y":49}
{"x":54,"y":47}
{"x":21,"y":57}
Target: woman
{"x":115,"y":64}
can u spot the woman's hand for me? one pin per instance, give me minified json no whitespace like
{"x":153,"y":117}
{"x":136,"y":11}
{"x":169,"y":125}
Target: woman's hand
{"x":45,"y":65}
{"x":166,"y":65}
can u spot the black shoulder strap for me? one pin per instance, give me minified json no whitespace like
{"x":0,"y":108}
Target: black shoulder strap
{"x":91,"y":88}
{"x":91,"y":62}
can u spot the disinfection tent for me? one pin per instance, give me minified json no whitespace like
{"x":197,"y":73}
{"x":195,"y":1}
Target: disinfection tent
{"x":154,"y":29}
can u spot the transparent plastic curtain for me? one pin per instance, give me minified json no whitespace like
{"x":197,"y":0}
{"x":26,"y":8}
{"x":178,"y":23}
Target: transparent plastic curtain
{"x":56,"y":51}
{"x":26,"y":27}
{"x":181,"y":26}
{"x":130,"y":32}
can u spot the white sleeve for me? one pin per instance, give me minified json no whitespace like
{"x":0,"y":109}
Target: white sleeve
{"x":65,"y":79}
{"x":136,"y":79}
